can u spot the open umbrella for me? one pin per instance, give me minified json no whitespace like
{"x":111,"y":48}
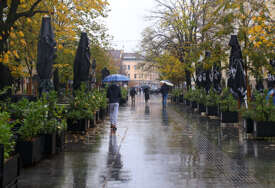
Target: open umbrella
{"x":166,"y":82}
{"x":46,"y":54}
{"x":236,"y":81}
{"x":116,"y":78}
{"x":82,"y":62}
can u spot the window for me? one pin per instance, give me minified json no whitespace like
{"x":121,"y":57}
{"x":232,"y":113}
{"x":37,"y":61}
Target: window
{"x":135,"y":67}
{"x":128,"y":67}
{"x":128,"y":74}
{"x":135,"y":76}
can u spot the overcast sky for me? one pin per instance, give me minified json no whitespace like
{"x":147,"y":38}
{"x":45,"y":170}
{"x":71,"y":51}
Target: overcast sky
{"x":126,"y":22}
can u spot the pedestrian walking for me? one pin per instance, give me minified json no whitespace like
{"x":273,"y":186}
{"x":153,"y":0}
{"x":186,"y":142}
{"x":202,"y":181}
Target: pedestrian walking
{"x":164,"y":92}
{"x":271,"y":93}
{"x":146,"y":92}
{"x":133,"y":95}
{"x":114,"y":95}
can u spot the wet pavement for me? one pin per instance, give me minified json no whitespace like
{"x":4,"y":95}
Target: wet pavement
{"x":156,"y":148}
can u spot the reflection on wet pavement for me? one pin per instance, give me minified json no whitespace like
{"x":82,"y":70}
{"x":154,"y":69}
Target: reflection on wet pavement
{"x":159,"y":148}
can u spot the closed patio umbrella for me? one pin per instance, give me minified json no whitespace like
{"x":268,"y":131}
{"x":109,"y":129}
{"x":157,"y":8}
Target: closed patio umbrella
{"x":216,"y":77}
{"x":236,"y":81}
{"x":199,"y":75}
{"x":82,"y":62}
{"x":46,"y":55}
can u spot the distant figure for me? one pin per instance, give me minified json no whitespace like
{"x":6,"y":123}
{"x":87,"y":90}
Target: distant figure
{"x":164,"y":91}
{"x":114,"y":95}
{"x":146,"y":94}
{"x":133,"y":95}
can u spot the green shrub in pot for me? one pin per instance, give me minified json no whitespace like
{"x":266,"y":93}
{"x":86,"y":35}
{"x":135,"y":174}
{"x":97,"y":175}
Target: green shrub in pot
{"x":6,"y":134}
{"x":227,"y":102}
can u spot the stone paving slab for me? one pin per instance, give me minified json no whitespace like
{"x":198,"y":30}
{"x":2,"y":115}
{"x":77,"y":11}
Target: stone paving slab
{"x":153,"y":148}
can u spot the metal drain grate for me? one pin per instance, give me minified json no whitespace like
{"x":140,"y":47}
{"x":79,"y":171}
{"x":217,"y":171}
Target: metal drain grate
{"x":234,"y":173}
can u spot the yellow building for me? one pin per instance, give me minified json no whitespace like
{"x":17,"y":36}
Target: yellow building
{"x":134,"y":66}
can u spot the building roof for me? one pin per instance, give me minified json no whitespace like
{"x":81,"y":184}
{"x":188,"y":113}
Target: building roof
{"x":132,"y":56}
{"x":116,"y":54}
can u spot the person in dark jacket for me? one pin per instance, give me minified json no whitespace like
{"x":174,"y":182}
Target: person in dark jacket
{"x":164,"y":91}
{"x":114,"y":95}
{"x":133,"y":94}
{"x":146,"y":92}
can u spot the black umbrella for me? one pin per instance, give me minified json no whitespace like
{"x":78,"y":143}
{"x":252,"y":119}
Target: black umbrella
{"x":82,"y":62}
{"x":104,"y":73}
{"x":199,"y":71}
{"x":46,"y":55}
{"x":236,"y":81}
{"x":271,"y":76}
{"x":216,"y":76}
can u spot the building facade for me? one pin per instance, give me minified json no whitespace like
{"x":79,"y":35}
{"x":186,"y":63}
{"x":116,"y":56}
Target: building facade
{"x":135,"y":68}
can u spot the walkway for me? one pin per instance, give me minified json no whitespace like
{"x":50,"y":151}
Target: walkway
{"x":155,"y":148}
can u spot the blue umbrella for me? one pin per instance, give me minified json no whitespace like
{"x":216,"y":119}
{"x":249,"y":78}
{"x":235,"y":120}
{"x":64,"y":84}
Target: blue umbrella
{"x":116,"y":78}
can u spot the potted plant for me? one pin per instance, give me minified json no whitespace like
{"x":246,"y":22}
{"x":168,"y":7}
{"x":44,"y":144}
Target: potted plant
{"x":30,"y":143}
{"x":201,"y":100}
{"x":124,"y":96}
{"x":212,"y":101}
{"x":175,"y":95}
{"x":81,"y":109}
{"x":228,"y":107}
{"x":248,"y":122}
{"x":9,"y":164}
{"x":263,"y":116}
{"x":194,"y":96}
{"x":187,"y":97}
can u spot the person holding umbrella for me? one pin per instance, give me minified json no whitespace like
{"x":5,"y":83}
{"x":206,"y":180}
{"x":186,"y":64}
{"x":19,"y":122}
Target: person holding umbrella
{"x":114,"y":95}
{"x":164,"y":92}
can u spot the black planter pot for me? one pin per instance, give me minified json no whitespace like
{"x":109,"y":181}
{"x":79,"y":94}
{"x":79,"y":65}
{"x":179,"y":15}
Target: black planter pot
{"x":92,"y":123}
{"x":60,"y":141}
{"x":264,"y":129}
{"x":11,"y":172}
{"x":77,"y":125}
{"x":97,"y":118}
{"x":202,"y":108}
{"x":212,"y":111}
{"x":186,"y":102}
{"x":194,"y":104}
{"x":49,"y":144}
{"x":229,"y":117}
{"x":122,"y":101}
{"x":102,"y":113}
{"x":248,"y":125}
{"x":30,"y":151}
{"x":181,"y":99}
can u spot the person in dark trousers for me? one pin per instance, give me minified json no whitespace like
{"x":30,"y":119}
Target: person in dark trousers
{"x":164,"y":91}
{"x":114,"y":95}
{"x":146,"y":92}
{"x":133,"y":94}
